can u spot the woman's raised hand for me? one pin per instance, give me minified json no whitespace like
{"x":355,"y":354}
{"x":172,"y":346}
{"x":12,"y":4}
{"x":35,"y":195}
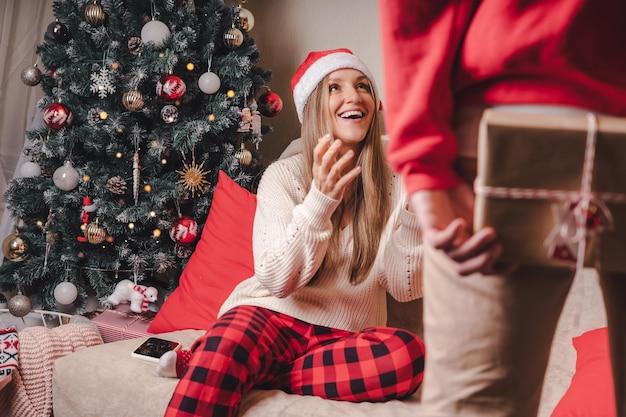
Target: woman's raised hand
{"x":332,"y":172}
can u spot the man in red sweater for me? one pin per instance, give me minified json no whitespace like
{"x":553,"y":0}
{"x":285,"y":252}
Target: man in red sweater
{"x":489,"y":331}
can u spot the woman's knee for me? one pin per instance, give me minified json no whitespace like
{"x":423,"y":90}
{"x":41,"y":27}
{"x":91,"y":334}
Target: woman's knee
{"x":407,"y":352}
{"x":397,"y":339}
{"x":406,"y":348}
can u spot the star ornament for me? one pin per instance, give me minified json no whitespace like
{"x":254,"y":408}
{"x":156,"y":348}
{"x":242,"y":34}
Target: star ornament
{"x":193,"y":177}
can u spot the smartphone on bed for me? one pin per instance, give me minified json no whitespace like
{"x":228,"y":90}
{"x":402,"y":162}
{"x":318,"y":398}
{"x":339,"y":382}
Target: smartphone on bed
{"x":153,"y":348}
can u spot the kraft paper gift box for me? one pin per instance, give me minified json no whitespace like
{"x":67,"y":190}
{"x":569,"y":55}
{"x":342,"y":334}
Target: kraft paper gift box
{"x":121,"y":323}
{"x":542,"y":156}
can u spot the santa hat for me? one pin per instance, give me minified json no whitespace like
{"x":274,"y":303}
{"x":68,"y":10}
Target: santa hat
{"x":319,"y":64}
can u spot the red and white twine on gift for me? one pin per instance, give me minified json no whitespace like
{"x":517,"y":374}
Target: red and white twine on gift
{"x":581,"y":210}
{"x":577,"y":203}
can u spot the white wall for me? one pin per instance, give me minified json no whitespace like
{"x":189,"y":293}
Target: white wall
{"x":22,"y":25}
{"x":286,"y":31}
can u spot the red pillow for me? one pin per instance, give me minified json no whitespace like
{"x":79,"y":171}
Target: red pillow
{"x":591,"y":390}
{"x":221,"y":260}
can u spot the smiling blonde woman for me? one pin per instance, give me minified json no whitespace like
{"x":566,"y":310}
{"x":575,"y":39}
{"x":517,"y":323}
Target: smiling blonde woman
{"x":332,"y":236}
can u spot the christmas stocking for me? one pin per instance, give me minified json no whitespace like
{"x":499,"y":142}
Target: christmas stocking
{"x":8,"y":354}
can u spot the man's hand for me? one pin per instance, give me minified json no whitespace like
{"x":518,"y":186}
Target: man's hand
{"x":446,"y":218}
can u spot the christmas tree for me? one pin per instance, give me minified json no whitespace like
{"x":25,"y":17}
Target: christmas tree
{"x":145,"y":101}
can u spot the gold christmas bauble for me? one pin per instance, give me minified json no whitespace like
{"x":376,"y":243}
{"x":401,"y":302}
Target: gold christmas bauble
{"x":246,"y":18}
{"x":233,"y":38}
{"x":132,"y":100}
{"x":95,"y":233}
{"x":243,"y":155}
{"x":94,"y":14}
{"x":15,"y":247}
{"x":19,"y":305}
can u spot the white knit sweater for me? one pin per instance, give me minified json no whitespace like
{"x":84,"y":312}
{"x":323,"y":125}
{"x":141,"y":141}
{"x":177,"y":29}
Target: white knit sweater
{"x":291,"y":233}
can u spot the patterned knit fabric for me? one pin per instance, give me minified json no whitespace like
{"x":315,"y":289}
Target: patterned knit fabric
{"x":30,"y":394}
{"x":8,"y":351}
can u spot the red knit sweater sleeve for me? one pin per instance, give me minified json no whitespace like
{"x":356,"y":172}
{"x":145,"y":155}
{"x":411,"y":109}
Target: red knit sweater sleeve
{"x":420,"y":40}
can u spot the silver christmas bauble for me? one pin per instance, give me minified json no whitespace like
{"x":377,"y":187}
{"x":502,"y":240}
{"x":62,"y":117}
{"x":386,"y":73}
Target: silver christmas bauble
{"x":19,"y":305}
{"x":31,"y":75}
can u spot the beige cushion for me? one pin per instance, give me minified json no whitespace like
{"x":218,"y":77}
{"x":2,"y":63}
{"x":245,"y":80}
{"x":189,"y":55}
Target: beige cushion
{"x":105,"y":381}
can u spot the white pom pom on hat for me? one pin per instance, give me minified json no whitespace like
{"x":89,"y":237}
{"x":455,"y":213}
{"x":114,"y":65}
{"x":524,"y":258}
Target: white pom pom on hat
{"x":316,"y":66}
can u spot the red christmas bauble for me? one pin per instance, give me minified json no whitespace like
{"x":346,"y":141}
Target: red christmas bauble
{"x":270,"y":104}
{"x":184,"y":230}
{"x":57,"y":116}
{"x":170,"y":87}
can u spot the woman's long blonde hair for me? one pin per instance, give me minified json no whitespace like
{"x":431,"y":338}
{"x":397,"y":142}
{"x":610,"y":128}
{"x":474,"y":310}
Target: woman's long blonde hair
{"x":371,"y":201}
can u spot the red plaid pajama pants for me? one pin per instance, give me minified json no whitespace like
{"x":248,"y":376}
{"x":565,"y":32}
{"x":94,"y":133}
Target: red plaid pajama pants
{"x":252,"y":347}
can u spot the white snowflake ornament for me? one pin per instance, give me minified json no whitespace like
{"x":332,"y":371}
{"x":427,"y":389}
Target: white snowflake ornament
{"x":102,"y":83}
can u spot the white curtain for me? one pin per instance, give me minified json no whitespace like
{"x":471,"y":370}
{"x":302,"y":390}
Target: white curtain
{"x":22,"y":26}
